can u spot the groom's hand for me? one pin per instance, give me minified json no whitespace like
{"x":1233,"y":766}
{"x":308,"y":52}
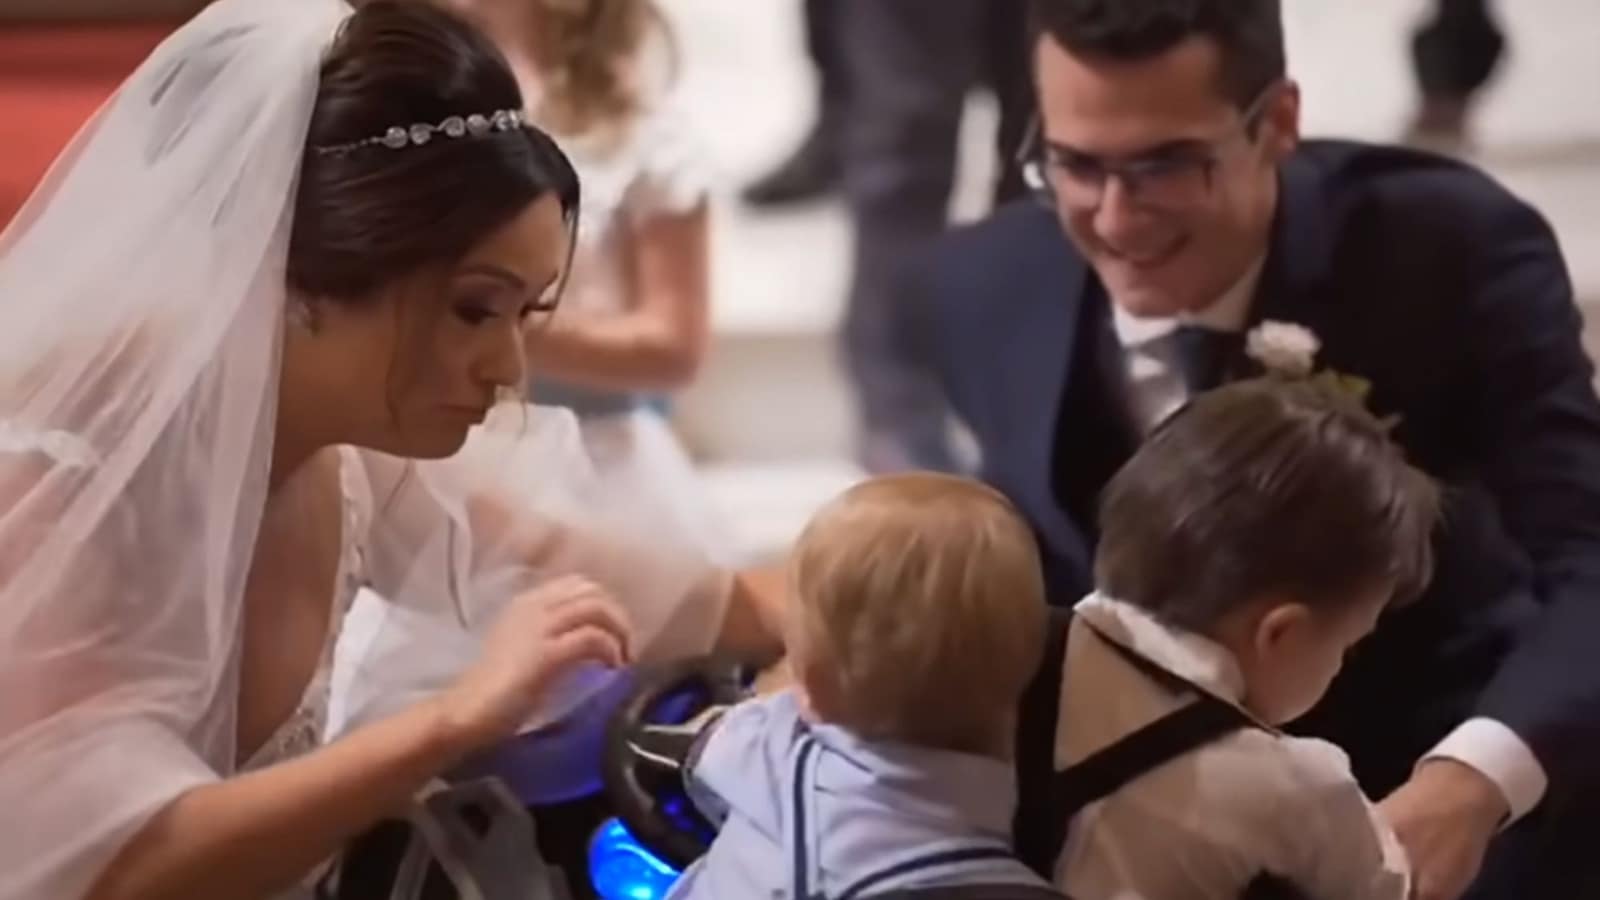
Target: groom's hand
{"x":1445,"y":817}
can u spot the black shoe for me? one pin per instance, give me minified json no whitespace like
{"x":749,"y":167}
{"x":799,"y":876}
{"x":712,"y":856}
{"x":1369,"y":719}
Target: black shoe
{"x":811,"y":172}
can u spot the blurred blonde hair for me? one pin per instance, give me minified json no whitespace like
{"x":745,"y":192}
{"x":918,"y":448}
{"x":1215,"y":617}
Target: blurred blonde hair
{"x":590,"y":54}
{"x":919,"y":612}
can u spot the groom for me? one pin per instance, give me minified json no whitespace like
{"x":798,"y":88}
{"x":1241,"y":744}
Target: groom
{"x":1181,"y":210}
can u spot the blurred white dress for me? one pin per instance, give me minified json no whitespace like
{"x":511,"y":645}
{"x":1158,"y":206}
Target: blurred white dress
{"x":654,"y":168}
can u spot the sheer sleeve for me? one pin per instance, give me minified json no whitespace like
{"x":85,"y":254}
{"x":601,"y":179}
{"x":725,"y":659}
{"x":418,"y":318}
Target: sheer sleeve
{"x":673,"y":177}
{"x":453,"y":542}
{"x":92,"y":741}
{"x":139,"y":363}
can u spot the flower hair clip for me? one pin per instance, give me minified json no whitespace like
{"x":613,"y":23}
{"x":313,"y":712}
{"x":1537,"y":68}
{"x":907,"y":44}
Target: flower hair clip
{"x":476,"y":125}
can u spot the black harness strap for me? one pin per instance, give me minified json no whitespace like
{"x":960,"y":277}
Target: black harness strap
{"x":1048,"y":800}
{"x":1203,"y":720}
{"x":1036,"y":824}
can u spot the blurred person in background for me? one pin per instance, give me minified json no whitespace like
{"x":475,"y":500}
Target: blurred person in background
{"x":1454,"y":55}
{"x":909,"y":67}
{"x":812,"y":169}
{"x":598,"y":74}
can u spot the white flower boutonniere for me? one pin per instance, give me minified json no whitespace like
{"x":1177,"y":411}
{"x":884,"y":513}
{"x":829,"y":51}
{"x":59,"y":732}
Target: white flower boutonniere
{"x":1283,"y":348}
{"x":1289,"y":350}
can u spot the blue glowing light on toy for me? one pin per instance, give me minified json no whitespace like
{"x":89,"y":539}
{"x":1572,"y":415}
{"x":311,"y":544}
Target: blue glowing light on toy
{"x":622,"y":869}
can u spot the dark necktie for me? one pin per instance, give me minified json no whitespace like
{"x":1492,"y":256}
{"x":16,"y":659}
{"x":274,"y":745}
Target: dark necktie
{"x":1206,"y":356}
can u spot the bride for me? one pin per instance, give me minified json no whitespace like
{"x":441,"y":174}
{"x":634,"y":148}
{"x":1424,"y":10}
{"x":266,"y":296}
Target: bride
{"x":294,"y":232}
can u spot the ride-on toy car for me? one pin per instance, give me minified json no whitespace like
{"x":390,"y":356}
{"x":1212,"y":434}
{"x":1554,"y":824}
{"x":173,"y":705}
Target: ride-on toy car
{"x":663,"y":821}
{"x":476,"y":841}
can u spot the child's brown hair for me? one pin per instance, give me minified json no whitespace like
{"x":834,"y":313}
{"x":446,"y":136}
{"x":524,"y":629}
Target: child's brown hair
{"x":1268,"y":485}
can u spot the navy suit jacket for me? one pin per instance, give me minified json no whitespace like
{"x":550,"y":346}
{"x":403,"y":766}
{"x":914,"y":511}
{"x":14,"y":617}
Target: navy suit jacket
{"x":1447,"y":293}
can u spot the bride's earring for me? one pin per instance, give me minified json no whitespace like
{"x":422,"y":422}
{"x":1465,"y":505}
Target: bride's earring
{"x":507,"y":396}
{"x":302,"y":316}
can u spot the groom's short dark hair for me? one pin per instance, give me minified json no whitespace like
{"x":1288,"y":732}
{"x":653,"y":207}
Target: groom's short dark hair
{"x":1249,"y":34}
{"x":1268,"y":486}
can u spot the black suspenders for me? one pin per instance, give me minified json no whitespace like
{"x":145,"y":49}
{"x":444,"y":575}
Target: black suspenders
{"x":1048,"y":799}
{"x":1102,"y":773}
{"x":1037,"y":830}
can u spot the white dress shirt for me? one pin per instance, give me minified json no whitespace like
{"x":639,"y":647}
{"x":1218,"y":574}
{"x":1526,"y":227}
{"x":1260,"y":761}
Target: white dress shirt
{"x":1155,"y":380}
{"x":1204,"y":825}
{"x":1155,"y":389}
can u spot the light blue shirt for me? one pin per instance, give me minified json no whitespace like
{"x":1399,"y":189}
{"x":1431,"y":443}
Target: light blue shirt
{"x":871,"y":806}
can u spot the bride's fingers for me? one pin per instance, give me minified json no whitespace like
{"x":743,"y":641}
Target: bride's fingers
{"x":585,"y":643}
{"x":591,"y":611}
{"x":563,"y":589}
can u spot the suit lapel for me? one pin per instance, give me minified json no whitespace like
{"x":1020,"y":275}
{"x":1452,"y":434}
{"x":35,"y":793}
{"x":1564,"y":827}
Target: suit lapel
{"x":1302,"y":283}
{"x":1297,"y":264}
{"x":1095,"y":431}
{"x":1046,"y":294}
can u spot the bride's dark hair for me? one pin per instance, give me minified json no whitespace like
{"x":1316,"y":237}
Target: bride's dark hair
{"x":365,"y":217}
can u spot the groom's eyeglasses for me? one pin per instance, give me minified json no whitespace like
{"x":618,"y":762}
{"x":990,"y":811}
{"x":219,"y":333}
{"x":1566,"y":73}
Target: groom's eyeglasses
{"x":1172,"y":178}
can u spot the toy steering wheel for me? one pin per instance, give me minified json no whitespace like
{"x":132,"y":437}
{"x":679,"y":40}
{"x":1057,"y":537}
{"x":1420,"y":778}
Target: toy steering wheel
{"x":648,"y":742}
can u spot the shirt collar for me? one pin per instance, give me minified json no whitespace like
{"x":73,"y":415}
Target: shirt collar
{"x":1229,"y":313}
{"x":1193,"y":657}
{"x":978,"y":791}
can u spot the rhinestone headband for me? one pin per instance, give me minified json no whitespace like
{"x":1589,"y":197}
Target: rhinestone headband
{"x":399,"y":138}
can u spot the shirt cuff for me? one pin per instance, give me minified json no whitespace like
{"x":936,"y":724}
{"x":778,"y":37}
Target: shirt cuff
{"x":1497,"y":753}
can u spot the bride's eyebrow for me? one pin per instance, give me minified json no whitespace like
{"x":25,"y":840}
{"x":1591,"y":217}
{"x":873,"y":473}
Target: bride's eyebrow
{"x":499,"y":273}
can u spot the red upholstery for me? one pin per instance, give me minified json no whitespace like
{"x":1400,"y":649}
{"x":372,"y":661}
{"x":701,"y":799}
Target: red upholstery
{"x":52,"y":78}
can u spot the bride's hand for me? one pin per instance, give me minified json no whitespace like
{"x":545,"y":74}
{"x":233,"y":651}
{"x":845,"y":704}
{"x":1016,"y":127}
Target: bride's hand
{"x":543,"y":634}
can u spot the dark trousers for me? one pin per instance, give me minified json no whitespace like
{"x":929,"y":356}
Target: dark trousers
{"x":909,"y":65}
{"x":1457,"y":50}
{"x":826,"y":50}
